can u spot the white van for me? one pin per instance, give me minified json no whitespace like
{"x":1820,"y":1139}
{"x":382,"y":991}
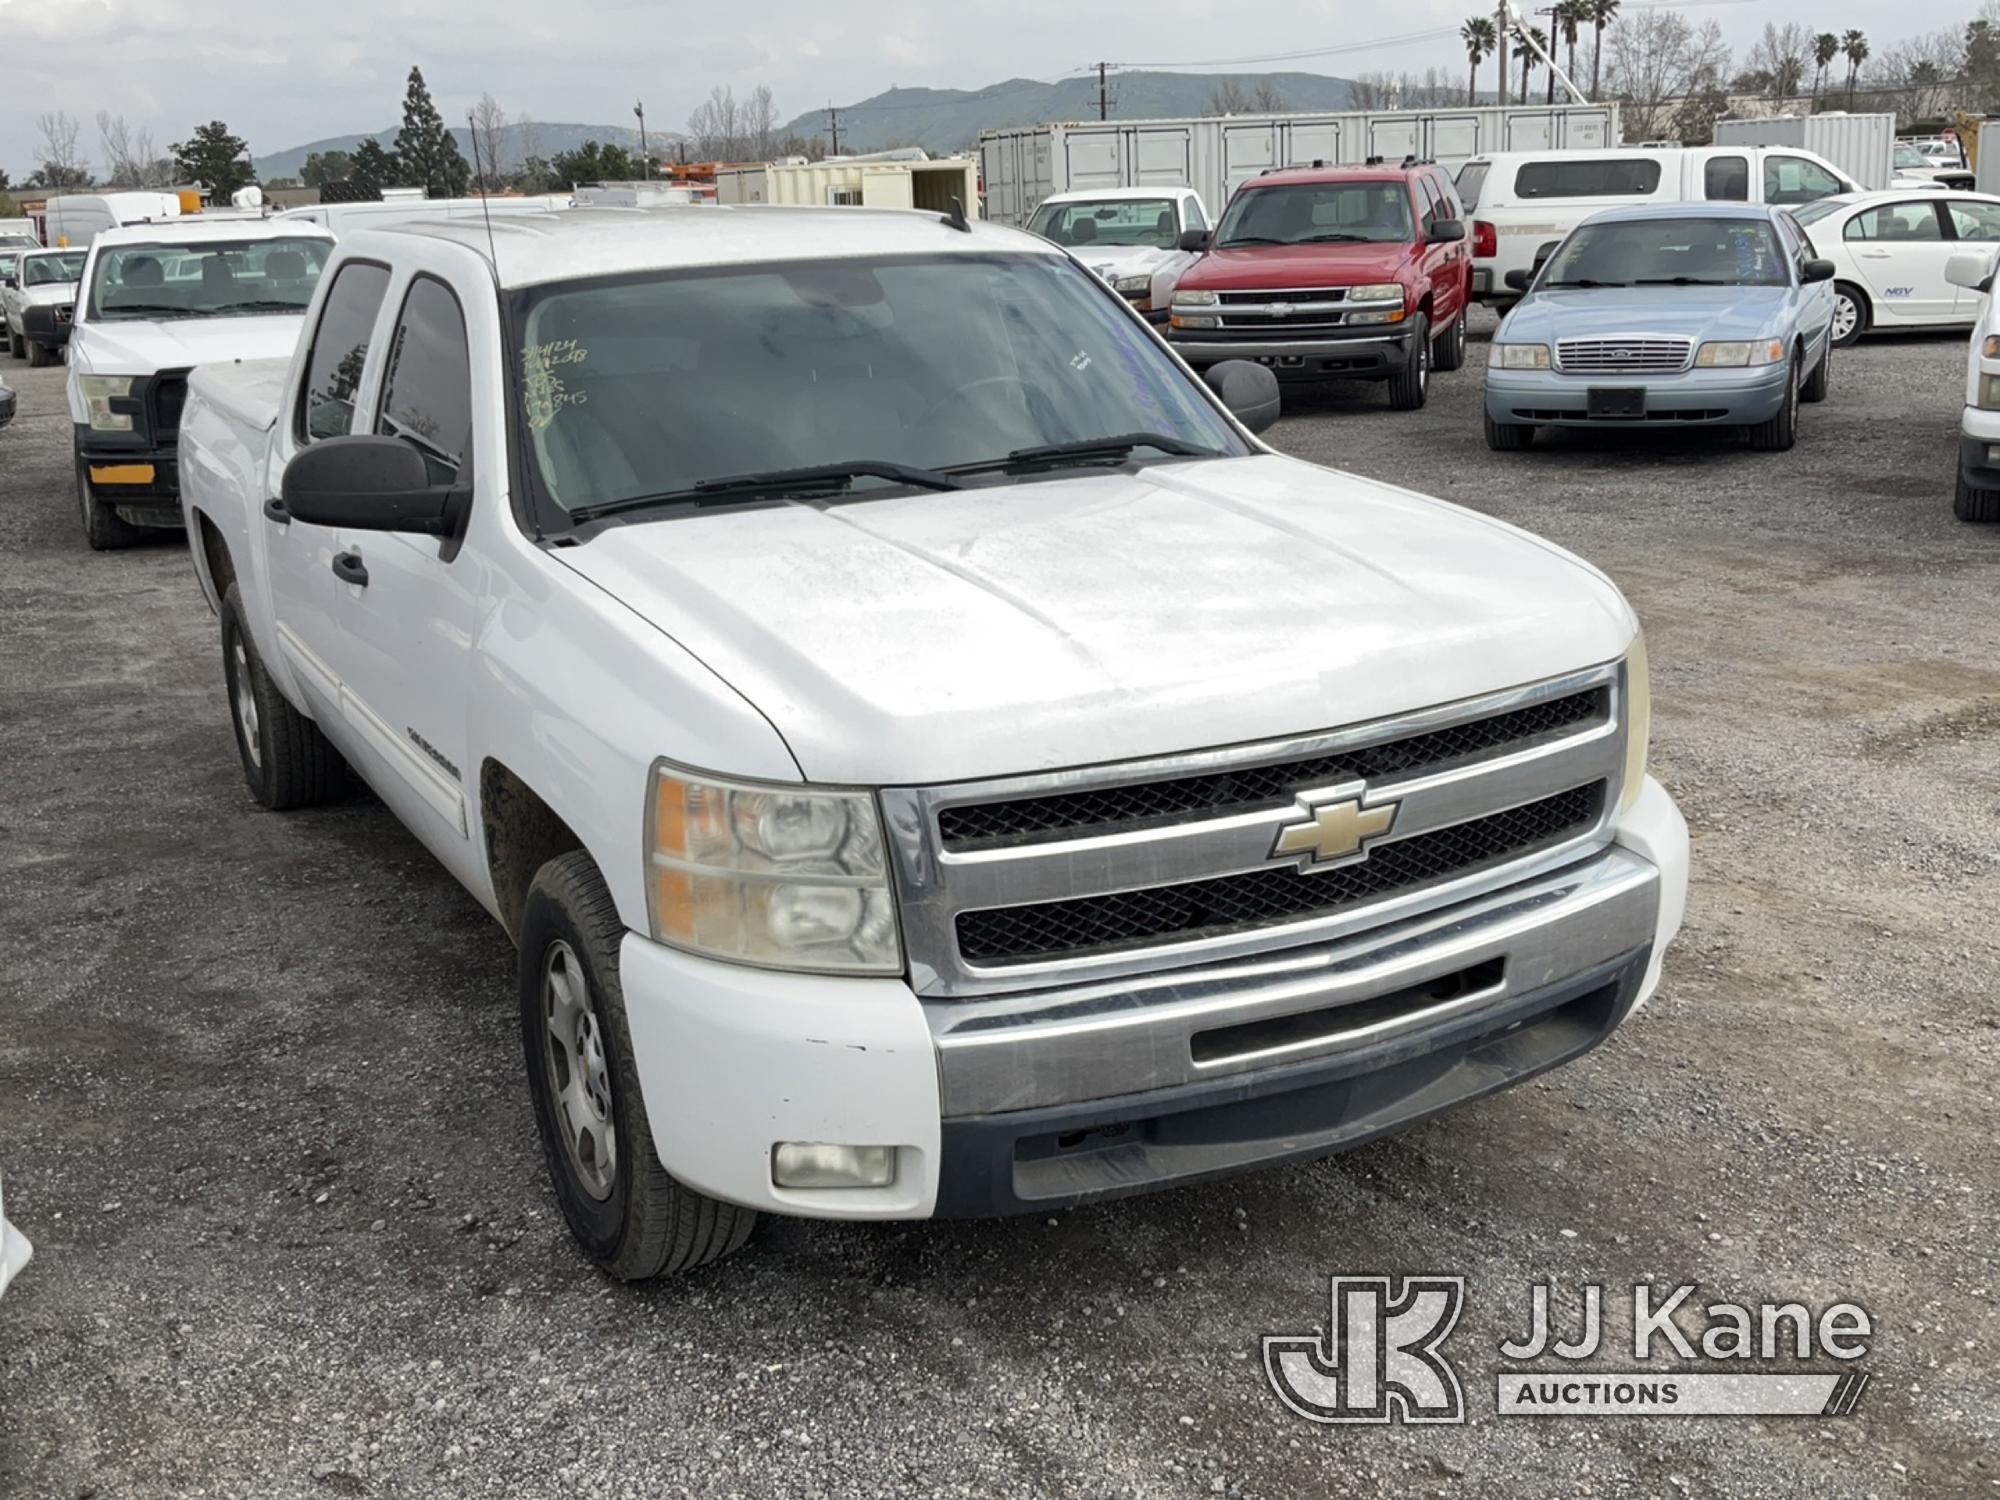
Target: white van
{"x":345,"y":218}
{"x":1519,"y":201}
{"x":72,"y":221}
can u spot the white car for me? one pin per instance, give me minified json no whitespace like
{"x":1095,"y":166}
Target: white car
{"x":1977,"y":496}
{"x":38,"y":278}
{"x":15,"y":1251}
{"x":1889,"y":252}
{"x":1129,"y":236}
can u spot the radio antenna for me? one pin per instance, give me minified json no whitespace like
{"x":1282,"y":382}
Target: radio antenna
{"x":492,"y":250}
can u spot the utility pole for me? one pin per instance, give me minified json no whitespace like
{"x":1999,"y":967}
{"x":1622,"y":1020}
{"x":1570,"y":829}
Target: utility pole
{"x":1552,"y":12}
{"x":833,"y":126}
{"x":645,"y":161}
{"x":1103,"y":93}
{"x":1503,"y":25}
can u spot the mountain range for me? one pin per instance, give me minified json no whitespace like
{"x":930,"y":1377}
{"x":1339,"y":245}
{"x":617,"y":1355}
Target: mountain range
{"x":549,"y":139}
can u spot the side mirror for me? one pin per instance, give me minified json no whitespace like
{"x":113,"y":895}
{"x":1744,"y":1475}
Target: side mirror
{"x":1823,"y":270}
{"x":1248,"y":389}
{"x":370,"y":483}
{"x":1517,"y":280}
{"x":7,"y":280}
{"x":1195,"y":241}
{"x":1446,"y":231}
{"x":1547,"y":249}
{"x":1971,"y":269}
{"x":39,"y":323}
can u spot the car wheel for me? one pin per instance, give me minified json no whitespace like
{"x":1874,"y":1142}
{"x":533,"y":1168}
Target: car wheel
{"x":102,"y":527}
{"x":16,"y":345}
{"x":1410,"y":386}
{"x":1850,"y":314}
{"x":1449,"y":352}
{"x":1968,"y":504}
{"x":287,"y":762}
{"x":1821,"y":379}
{"x":625,"y":1210}
{"x":1508,"y":437}
{"x":1781,"y":431}
{"x":40,"y":356}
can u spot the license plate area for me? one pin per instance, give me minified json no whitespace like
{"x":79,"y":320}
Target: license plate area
{"x":1616,"y":401}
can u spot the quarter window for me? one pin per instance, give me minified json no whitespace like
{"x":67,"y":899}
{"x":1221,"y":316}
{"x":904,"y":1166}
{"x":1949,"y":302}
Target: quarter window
{"x":1793,"y":179}
{"x":1191,"y":207}
{"x":1895,"y":221}
{"x":1564,"y":177}
{"x":1975,"y":221}
{"x":339,"y":350}
{"x":1726,"y":179}
{"x":427,"y":394}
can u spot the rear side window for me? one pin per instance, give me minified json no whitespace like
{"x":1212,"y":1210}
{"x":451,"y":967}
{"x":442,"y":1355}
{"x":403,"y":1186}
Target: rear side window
{"x":1726,"y":179}
{"x":427,"y":394}
{"x":1470,"y":176}
{"x":1793,"y":179}
{"x":1613,"y":177}
{"x":339,"y":350}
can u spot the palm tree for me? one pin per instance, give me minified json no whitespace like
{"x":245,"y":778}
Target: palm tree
{"x":1826,"y":47}
{"x":1570,"y":17}
{"x":1521,"y":35}
{"x":1855,"y":45}
{"x":1601,"y":13}
{"x":1480,"y":40}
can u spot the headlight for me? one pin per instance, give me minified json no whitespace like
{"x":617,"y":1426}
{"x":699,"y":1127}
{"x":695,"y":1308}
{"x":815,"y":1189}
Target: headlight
{"x":1133,"y":284}
{"x":1638,"y":721}
{"x":1759,"y":352}
{"x":779,"y":876}
{"x":97,"y":392}
{"x":1385,"y":315}
{"x":1989,"y":392}
{"x":1518,"y":356}
{"x":1194,"y":299}
{"x":1381,"y":291}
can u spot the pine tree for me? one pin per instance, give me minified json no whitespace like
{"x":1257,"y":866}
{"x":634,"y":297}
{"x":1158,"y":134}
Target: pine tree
{"x":429,"y":155}
{"x":214,"y":158}
{"x":373,"y":168}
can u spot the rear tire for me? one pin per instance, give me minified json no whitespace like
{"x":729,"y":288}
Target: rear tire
{"x":1779,"y":433}
{"x":102,"y":527}
{"x":1850,"y":313}
{"x":1508,"y":437}
{"x":624,"y":1208}
{"x":287,"y":762}
{"x":1817,"y":383}
{"x":1410,"y":386}
{"x":1981,"y":507}
{"x":1449,"y":351}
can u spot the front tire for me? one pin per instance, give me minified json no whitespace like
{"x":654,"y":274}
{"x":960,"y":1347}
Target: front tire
{"x":287,"y":762}
{"x":1410,"y":386}
{"x":1778,"y":433}
{"x":40,"y":356}
{"x":1821,"y":379}
{"x":102,"y":527}
{"x":1508,"y":437}
{"x":1981,"y":507}
{"x":1449,"y":354}
{"x":625,"y":1210}
{"x":1850,"y":314}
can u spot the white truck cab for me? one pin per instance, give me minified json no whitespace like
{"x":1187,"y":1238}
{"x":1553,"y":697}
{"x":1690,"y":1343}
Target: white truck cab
{"x":41,"y":279}
{"x":931,"y":758}
{"x":155,"y":301}
{"x":1131,"y":236}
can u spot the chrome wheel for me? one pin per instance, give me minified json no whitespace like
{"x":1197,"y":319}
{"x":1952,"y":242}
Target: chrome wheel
{"x":244,"y":698}
{"x":1846,"y":316}
{"x":579,"y":1078}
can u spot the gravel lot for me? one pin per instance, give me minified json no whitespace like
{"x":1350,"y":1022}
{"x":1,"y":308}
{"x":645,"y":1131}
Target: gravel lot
{"x":260,"y":1104}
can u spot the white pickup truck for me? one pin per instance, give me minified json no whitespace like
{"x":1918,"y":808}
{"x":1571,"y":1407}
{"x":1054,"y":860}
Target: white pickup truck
{"x":40,"y":279}
{"x":930,"y":757}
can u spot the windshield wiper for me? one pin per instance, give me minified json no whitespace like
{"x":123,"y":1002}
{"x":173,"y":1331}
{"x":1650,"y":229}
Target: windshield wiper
{"x":1582,"y":281}
{"x":145,"y":310}
{"x":1321,"y":239}
{"x":835,"y":477}
{"x":1088,"y":450}
{"x":1249,"y":239}
{"x":267,"y":304}
{"x":1680,"y":281}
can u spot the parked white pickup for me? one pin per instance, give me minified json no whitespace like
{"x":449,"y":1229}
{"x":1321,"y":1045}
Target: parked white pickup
{"x":931,"y":757}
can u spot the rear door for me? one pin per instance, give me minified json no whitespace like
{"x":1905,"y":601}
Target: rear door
{"x":1900,"y":248}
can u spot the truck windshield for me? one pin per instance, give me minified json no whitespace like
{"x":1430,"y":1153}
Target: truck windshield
{"x":1111,"y":222}
{"x":1311,"y":213}
{"x":214,"y":279}
{"x":52,"y":270}
{"x":653,"y":385}
{"x":1670,"y":252}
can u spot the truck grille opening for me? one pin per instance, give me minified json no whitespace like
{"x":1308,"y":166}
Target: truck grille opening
{"x":1331,"y":1023}
{"x":1109,"y":809}
{"x":1258,"y":898}
{"x":169,"y":396}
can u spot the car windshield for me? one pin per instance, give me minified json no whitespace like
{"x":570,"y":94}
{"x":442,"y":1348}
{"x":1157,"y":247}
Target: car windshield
{"x":1123,"y":222}
{"x":1670,"y":252}
{"x":1308,"y":213}
{"x":651,"y":385}
{"x":1910,"y":156}
{"x":51,"y":270}
{"x":214,"y":279}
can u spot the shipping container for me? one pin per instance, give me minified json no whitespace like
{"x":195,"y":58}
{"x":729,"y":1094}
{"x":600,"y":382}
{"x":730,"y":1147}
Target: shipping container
{"x":1213,"y":155}
{"x":1862,"y":146}
{"x":1986,"y":157}
{"x":856,"y":183}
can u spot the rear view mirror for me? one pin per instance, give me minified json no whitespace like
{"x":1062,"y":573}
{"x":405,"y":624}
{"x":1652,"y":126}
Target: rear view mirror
{"x":1248,"y":389}
{"x":370,"y":484}
{"x":1971,"y":269}
{"x":39,"y":323}
{"x":1517,"y":280}
{"x":1446,"y":231}
{"x":1195,"y":241}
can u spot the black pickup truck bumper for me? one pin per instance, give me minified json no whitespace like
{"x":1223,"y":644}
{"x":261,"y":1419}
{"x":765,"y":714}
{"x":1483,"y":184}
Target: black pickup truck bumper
{"x":143,"y":477}
{"x":1374,"y":353}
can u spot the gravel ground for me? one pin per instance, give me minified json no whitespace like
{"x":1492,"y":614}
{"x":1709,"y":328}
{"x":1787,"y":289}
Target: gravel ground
{"x":260,"y":1107}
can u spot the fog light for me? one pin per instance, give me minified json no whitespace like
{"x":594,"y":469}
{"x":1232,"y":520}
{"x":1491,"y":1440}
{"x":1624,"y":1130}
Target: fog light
{"x":813,"y":1164}
{"x":1993,"y":453}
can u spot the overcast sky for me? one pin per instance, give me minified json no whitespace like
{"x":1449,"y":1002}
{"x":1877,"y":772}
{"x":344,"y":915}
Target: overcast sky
{"x":282,"y":73}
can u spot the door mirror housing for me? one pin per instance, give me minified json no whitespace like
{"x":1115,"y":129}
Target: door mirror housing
{"x":1971,"y":269}
{"x":1248,"y":389}
{"x":1517,"y":279}
{"x":1446,"y":231}
{"x":39,"y":323}
{"x":369,"y":483}
{"x":1818,"y":269}
{"x":1195,"y":241}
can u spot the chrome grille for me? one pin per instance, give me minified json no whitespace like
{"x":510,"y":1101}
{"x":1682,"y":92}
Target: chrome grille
{"x":1623,"y":356}
{"x":1300,"y":310}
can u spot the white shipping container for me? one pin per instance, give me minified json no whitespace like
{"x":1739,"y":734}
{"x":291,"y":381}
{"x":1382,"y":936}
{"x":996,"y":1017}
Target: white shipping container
{"x":1215,"y":154}
{"x":862,"y":183}
{"x":1862,"y":146}
{"x":1986,"y":158}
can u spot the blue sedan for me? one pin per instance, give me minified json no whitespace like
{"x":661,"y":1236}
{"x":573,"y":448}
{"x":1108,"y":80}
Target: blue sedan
{"x":1677,"y":314}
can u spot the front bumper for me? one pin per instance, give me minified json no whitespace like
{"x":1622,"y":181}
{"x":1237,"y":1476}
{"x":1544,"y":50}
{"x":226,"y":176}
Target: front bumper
{"x":137,"y":475}
{"x":1016,"y":1103}
{"x":1376,"y":353}
{"x":1979,"y":449}
{"x":1713,"y":397}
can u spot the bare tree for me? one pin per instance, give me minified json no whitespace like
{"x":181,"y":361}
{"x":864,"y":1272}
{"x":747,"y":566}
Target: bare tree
{"x":1782,"y":55}
{"x":129,"y":158}
{"x":1923,"y":77}
{"x":759,"y":122}
{"x":62,"y":160}
{"x":716,"y":126}
{"x":1657,"y":60}
{"x":489,"y":130}
{"x":1227,"y":98}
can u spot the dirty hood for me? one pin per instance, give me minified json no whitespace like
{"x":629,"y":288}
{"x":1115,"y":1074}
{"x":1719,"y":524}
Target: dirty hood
{"x":940,"y":637}
{"x":1114,"y":261}
{"x":122,"y":346}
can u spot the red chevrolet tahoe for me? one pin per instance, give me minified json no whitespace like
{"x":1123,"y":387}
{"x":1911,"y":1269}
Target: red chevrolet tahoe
{"x":1333,"y":273}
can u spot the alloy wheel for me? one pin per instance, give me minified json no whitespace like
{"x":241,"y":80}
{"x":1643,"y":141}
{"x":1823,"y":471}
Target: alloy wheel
{"x":579,"y":1076}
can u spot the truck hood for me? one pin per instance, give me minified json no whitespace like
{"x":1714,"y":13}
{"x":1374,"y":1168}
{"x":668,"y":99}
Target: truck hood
{"x":1285,"y":267}
{"x":1126,"y":260}
{"x":1697,"y":312}
{"x":943,"y":637}
{"x":135,"y":348}
{"x":49,"y":294}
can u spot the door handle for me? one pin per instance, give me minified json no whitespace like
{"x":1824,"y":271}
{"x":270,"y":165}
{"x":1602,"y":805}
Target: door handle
{"x":1875,"y":254}
{"x":274,"y":510}
{"x":349,"y":568}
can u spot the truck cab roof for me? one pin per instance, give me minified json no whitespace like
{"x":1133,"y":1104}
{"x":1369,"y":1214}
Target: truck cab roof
{"x":198,"y":230}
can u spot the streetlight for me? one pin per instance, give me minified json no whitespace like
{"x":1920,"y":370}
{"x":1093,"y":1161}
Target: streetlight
{"x":645,"y":162}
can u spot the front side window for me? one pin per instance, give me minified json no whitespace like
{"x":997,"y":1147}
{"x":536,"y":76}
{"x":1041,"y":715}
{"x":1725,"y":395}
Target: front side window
{"x":51,"y":270}
{"x":340,"y":350}
{"x":1587,"y":177}
{"x":1726,"y":179}
{"x":427,"y":392}
{"x":1975,"y":221}
{"x":1311,"y":213}
{"x":650,"y":385}
{"x":1670,"y":252}
{"x":1196,"y":219}
{"x":215,"y":279}
{"x":1793,"y":179}
{"x":1119,"y":222}
{"x":1895,"y":221}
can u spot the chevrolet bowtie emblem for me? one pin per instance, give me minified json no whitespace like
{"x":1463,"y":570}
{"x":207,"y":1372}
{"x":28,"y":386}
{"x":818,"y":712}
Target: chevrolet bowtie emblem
{"x":1333,"y":831}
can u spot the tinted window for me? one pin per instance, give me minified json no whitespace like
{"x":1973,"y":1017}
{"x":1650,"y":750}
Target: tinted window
{"x":427,"y":393}
{"x":1975,"y":221}
{"x":1895,"y":221}
{"x":1311,"y":213}
{"x":1447,"y":199}
{"x":339,"y":349}
{"x":1564,"y":177}
{"x":1432,"y":212}
{"x":1669,"y":253}
{"x":1793,"y":179}
{"x":1470,"y":176}
{"x":1727,"y":179}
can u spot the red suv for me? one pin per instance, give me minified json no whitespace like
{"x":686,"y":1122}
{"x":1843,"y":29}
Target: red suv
{"x":1332,"y":273}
